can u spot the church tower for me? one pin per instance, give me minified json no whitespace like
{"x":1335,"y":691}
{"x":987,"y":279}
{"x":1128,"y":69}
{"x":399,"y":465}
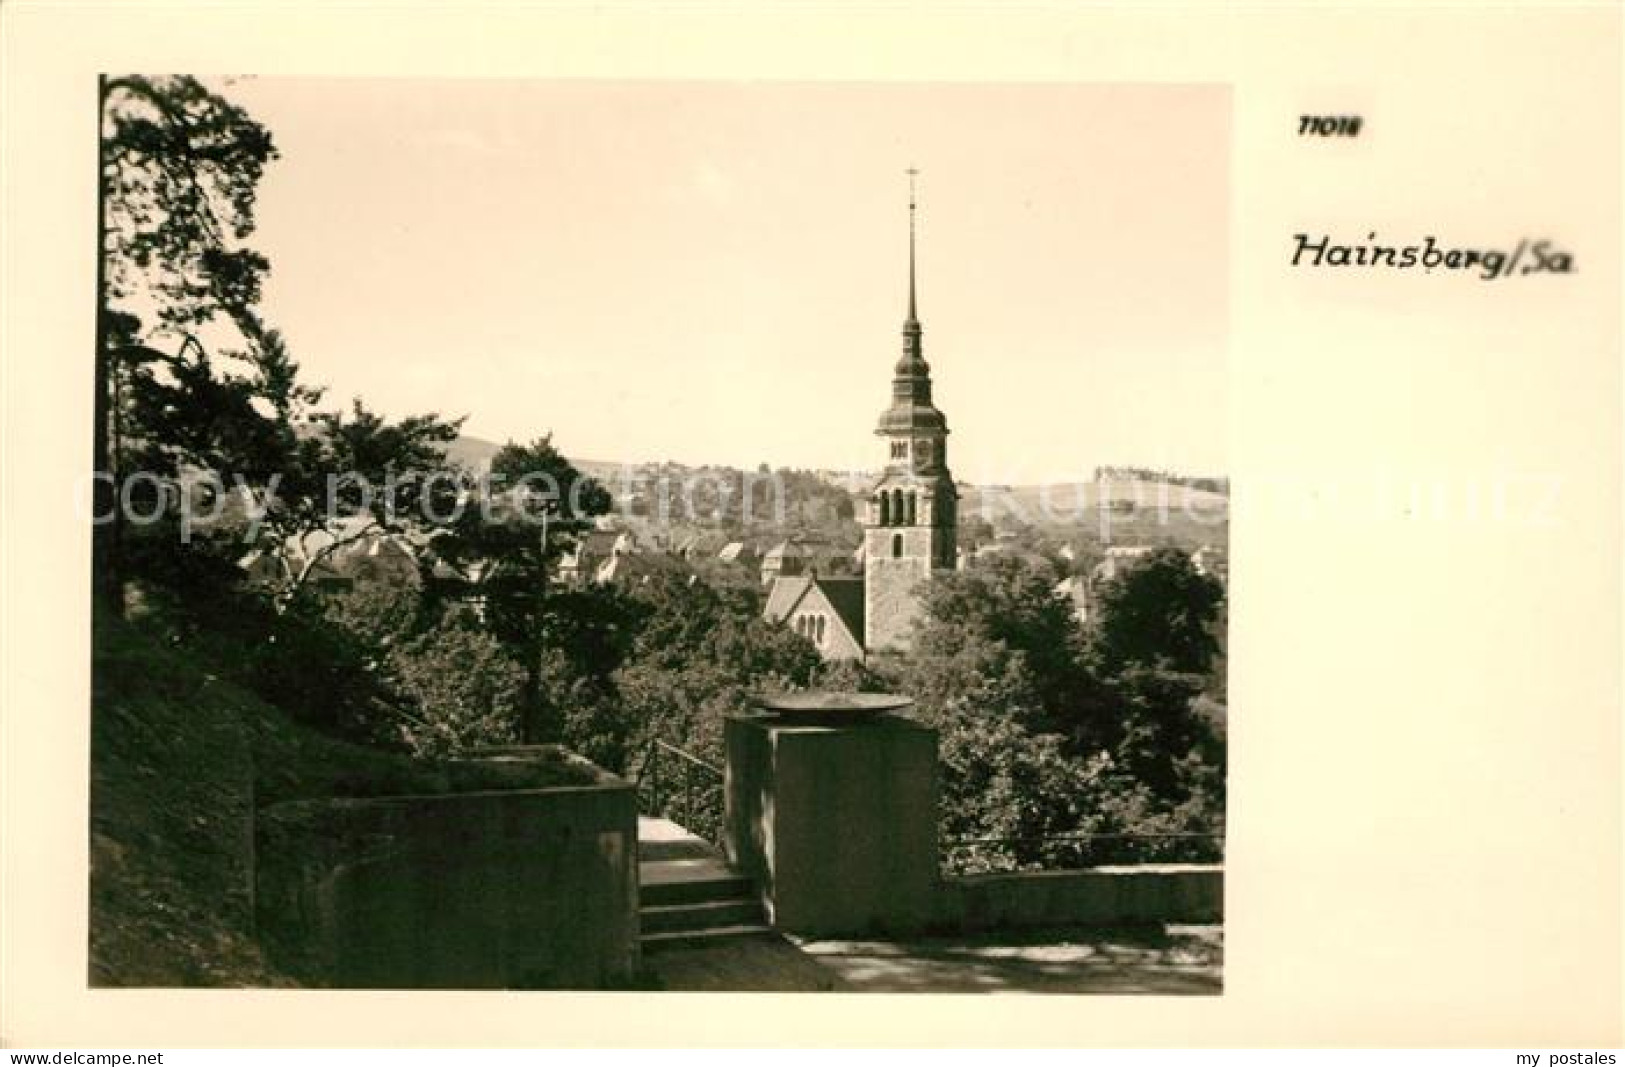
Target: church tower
{"x":911,"y":516}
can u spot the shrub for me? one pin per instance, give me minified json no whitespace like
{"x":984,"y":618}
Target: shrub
{"x":463,"y":688}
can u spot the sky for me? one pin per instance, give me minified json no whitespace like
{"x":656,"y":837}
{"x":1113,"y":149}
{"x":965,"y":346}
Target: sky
{"x":717,"y":271}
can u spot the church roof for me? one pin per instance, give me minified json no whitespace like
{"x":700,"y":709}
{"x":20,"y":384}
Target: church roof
{"x":783,"y":596}
{"x":909,"y":415}
{"x":844,"y":596}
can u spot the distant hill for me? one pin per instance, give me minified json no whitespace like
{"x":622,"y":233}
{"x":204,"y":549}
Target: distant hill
{"x":472,"y":452}
{"x":1124,"y":497}
{"x":1065,"y":499}
{"x":476,"y":454}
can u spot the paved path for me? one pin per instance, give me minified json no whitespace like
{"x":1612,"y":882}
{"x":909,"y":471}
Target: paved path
{"x":769,"y":964}
{"x":1171,"y":961}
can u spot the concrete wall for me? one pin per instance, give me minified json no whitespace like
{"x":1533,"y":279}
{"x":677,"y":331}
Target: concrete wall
{"x":521,"y":888}
{"x":1170,"y":893}
{"x":836,"y":825}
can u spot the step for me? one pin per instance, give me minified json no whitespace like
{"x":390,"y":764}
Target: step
{"x":711,"y":915}
{"x":721,"y":935}
{"x":691,"y":848}
{"x":694,"y":881}
{"x":660,"y":894}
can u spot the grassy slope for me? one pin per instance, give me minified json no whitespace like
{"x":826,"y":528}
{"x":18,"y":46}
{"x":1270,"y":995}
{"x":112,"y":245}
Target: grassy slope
{"x":178,"y":756}
{"x":172,"y":770}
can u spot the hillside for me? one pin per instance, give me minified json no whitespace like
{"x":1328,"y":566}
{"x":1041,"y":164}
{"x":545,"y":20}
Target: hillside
{"x":179,"y":756}
{"x":172,"y":769}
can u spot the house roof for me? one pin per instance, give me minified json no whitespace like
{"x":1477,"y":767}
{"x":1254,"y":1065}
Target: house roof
{"x":367,"y":544}
{"x":1118,"y":557}
{"x":735,"y":551}
{"x":596,"y":542}
{"x":787,"y":549}
{"x":638,"y":568}
{"x":1074,"y":588}
{"x":802,"y":546}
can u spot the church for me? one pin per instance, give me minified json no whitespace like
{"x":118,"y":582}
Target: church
{"x":910,"y":520}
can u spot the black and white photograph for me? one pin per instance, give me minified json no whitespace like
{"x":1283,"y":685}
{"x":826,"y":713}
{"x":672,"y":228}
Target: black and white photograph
{"x":660,"y":536}
{"x":542,"y":526}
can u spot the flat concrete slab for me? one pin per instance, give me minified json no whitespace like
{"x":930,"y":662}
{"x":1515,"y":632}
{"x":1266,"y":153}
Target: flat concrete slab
{"x":1174,"y":960}
{"x":654,"y":830}
{"x":662,"y":839}
{"x":767,"y":964}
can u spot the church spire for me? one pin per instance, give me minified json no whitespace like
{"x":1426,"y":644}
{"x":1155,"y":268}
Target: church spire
{"x":913,"y":315}
{"x":911,"y":408}
{"x":912,"y":365}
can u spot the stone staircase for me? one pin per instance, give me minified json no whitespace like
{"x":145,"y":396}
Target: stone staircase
{"x":690,"y":898}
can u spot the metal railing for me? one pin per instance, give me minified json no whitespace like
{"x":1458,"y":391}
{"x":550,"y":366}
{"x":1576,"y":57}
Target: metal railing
{"x":1063,"y":851}
{"x":677,"y":785}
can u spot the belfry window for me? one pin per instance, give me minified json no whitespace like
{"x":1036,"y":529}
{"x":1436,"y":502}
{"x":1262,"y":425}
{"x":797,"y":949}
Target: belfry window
{"x":896,"y":546}
{"x":912,"y":498}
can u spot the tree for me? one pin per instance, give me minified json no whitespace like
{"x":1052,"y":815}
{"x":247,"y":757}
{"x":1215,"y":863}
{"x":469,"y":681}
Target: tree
{"x":1152,"y":649}
{"x":1160,"y":612}
{"x":1007,"y":793}
{"x":179,"y":172}
{"x":586,"y":635}
{"x":997,"y":633}
{"x":465,"y":690}
{"x":1157,"y":728}
{"x":700,"y":654}
{"x":1045,"y":746}
{"x":974,"y":530}
{"x":345,"y":480}
{"x":377,"y":614}
{"x":500,"y":553}
{"x":846,"y":676}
